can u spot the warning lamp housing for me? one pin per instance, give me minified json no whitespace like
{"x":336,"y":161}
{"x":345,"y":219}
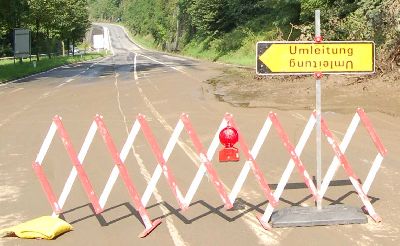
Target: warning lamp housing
{"x":228,"y":137}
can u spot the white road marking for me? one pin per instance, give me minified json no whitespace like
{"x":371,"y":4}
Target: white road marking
{"x":60,"y":85}
{"x":265,"y":237}
{"x":173,"y":231}
{"x":337,"y":132}
{"x":299,"y":116}
{"x":13,"y":91}
{"x":162,"y":63}
{"x":189,"y":152}
{"x":44,"y":95}
{"x":36,"y":74}
{"x":175,"y":68}
{"x":6,"y":120}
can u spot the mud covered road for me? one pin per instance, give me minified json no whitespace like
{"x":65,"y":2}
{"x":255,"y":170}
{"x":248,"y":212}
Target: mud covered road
{"x":162,"y":86}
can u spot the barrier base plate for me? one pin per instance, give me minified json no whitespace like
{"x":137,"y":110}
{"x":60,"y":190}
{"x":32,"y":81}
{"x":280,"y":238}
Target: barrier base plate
{"x":149,"y":230}
{"x":311,"y":216}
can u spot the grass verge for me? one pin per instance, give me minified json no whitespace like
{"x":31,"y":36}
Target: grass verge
{"x":244,"y":56}
{"x":10,"y":71}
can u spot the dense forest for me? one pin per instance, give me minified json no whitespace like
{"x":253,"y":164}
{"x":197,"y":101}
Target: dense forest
{"x":54,"y":25}
{"x":232,"y":27}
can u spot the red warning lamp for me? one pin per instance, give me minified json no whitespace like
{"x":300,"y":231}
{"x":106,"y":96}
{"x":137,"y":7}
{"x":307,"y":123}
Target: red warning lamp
{"x":228,"y":137}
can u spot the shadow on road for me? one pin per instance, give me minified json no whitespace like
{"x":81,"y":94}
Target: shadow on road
{"x":117,"y":63}
{"x":242,"y":206}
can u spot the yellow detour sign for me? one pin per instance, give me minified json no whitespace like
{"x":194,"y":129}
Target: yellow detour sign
{"x":336,"y":57}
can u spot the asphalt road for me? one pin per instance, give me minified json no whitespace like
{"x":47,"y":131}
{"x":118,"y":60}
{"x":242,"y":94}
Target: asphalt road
{"x":161,"y":86}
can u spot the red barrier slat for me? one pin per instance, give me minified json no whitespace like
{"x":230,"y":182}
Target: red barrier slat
{"x":210,"y":170}
{"x":371,"y":131}
{"x":291,"y":150}
{"x":342,"y":158}
{"x":123,"y":172}
{"x":348,"y":169}
{"x":262,"y":182}
{"x":160,"y":159}
{"x":78,"y":165}
{"x":149,"y":225}
{"x":46,"y":187}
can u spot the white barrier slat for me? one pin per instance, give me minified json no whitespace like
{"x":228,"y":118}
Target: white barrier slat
{"x":299,"y":149}
{"x":371,"y":174}
{"x":206,"y":165}
{"x":240,"y":181}
{"x":215,"y":143}
{"x":195,"y":184}
{"x":115,"y":171}
{"x":247,"y":166}
{"x":129,"y":141}
{"x":158,"y":171}
{"x":46,"y":143}
{"x":289,"y":168}
{"x":108,"y":187}
{"x":202,"y":169}
{"x":335,"y":164}
{"x":364,"y":199}
{"x":81,"y":157}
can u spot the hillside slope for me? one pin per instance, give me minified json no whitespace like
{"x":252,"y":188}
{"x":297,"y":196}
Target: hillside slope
{"x":227,"y":30}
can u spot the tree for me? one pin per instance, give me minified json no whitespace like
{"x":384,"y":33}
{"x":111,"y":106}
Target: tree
{"x":208,"y":16}
{"x":12,"y":15}
{"x":72,"y":22}
{"x":108,"y":10}
{"x":42,"y":13}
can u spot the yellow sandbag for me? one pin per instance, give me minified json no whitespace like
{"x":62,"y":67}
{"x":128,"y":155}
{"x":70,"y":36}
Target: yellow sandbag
{"x":46,"y":227}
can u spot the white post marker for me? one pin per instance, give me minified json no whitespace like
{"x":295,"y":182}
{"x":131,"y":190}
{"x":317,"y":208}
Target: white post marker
{"x":318,"y":109}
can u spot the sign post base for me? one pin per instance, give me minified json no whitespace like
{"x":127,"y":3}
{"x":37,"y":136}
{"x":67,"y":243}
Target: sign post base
{"x":311,"y":216}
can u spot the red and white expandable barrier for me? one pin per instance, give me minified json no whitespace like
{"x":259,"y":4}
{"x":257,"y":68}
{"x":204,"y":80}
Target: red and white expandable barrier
{"x":77,"y":161}
{"x":205,"y":166}
{"x":339,"y":158}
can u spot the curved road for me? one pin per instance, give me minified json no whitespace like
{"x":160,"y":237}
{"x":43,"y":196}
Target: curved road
{"x":162,"y":86}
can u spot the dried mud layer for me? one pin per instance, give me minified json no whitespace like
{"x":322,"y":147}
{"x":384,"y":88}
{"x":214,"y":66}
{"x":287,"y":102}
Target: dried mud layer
{"x":243,"y":88}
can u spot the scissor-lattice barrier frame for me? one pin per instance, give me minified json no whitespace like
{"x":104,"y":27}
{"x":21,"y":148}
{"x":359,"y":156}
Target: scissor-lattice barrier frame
{"x":206,"y":166}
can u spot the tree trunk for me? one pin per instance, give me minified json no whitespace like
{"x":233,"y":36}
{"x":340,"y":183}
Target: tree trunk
{"x":68,"y":46}
{"x":48,"y":49}
{"x":73,"y":47}
{"x":178,"y":31}
{"x":37,"y":38}
{"x":178,"y":34}
{"x":63,"y":47}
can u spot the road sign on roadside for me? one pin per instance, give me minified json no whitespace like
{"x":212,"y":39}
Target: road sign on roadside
{"x":98,"y":42}
{"x":335,"y":57}
{"x":22,"y":43}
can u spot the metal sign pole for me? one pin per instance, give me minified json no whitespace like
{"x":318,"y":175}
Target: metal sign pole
{"x":318,"y":109}
{"x":283,"y":58}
